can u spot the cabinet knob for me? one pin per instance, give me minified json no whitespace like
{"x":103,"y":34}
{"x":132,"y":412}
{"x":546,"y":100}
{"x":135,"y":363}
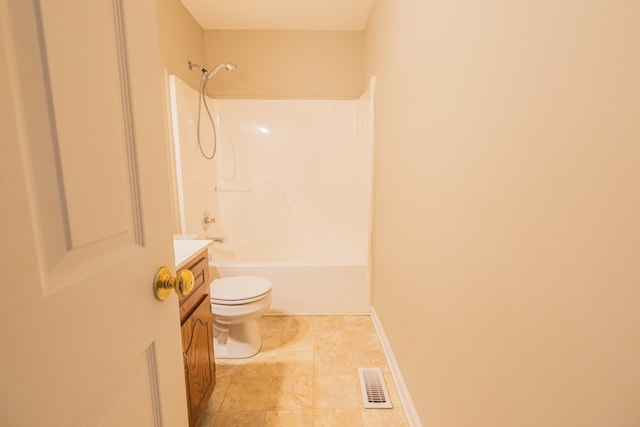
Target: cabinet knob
{"x":166,"y":280}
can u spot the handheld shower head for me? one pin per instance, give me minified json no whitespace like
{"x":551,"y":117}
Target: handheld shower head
{"x":226,"y":65}
{"x":202,"y":101}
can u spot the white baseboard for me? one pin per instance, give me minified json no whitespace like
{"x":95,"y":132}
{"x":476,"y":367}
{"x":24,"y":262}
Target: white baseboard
{"x":407,"y":403}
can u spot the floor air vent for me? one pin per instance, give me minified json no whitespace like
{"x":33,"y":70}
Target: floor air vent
{"x":374,"y":390}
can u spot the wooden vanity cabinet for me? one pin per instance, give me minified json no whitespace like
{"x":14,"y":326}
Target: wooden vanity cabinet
{"x":197,"y":339}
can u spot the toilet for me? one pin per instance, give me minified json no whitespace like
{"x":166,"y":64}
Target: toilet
{"x":236,"y":303}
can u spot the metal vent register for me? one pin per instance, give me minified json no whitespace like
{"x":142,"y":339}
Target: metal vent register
{"x":374,"y":390}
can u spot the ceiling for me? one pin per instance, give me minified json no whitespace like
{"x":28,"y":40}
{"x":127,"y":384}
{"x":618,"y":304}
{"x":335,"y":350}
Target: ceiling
{"x":325,"y":15}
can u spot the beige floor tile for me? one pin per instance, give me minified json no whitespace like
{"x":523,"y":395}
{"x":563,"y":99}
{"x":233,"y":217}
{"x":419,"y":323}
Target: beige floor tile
{"x":291,"y":393}
{"x":358,"y":322}
{"x":345,"y":417}
{"x":366,"y":358}
{"x":334,"y":391}
{"x":297,"y":339}
{"x":331,"y":361}
{"x":297,"y":323}
{"x":328,"y":323}
{"x":207,"y":419}
{"x":247,"y":394}
{"x":270,"y":324}
{"x":219,"y":391}
{"x":363,"y":339}
{"x":289,"y":418}
{"x":393,"y":391}
{"x":384,"y":417}
{"x":229,"y":368}
{"x":240,"y":419}
{"x":261,"y":365}
{"x":270,"y":342}
{"x":330,"y":339}
{"x":294,"y":363}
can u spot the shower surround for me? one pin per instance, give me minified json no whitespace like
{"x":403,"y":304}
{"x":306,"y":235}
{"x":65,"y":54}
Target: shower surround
{"x":290,"y":189}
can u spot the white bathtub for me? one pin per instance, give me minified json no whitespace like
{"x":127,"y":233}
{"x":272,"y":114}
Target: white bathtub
{"x":303,"y":288}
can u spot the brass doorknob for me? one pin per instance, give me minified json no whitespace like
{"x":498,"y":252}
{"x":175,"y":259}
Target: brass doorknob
{"x":166,"y":280}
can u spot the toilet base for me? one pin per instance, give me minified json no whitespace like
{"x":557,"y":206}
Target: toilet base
{"x":242,"y":340}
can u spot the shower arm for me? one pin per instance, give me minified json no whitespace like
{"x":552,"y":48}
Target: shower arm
{"x":200,"y":67}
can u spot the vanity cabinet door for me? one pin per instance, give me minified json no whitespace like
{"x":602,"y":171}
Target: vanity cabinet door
{"x":197,"y":345}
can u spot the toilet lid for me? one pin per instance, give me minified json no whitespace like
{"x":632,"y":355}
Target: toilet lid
{"x":239,"y":288}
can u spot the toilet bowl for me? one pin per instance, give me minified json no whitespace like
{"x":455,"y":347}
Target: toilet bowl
{"x":236,"y":303}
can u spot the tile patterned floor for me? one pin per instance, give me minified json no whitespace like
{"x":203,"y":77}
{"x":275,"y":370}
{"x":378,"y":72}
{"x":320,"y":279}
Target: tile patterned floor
{"x":305,"y":375}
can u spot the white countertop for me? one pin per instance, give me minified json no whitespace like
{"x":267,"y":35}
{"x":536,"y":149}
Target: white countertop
{"x":184,"y":250}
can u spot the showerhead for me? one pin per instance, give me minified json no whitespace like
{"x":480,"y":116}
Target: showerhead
{"x":226,"y":65}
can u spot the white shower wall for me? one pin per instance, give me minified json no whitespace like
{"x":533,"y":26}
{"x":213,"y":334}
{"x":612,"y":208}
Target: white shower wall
{"x":290,"y":186}
{"x":293,"y":180}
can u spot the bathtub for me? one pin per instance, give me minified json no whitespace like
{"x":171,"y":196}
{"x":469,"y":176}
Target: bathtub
{"x":301,"y":287}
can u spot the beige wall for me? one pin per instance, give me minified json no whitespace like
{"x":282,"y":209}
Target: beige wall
{"x":287,"y":64}
{"x":506,"y":266}
{"x":181,"y":40}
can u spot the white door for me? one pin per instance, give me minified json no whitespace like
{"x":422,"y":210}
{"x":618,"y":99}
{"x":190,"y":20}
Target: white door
{"x":85,"y":219}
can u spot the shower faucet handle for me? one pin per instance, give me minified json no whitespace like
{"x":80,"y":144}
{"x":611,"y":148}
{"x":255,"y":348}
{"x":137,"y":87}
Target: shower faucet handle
{"x":207,"y":220}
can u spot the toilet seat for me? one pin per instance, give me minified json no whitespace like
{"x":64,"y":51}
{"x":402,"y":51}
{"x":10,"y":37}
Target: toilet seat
{"x":238,"y":290}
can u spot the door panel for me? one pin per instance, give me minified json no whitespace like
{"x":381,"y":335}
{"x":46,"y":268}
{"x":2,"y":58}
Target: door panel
{"x":92,"y":127}
{"x":90,"y":134}
{"x":84,"y":342}
{"x":128,"y":401}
